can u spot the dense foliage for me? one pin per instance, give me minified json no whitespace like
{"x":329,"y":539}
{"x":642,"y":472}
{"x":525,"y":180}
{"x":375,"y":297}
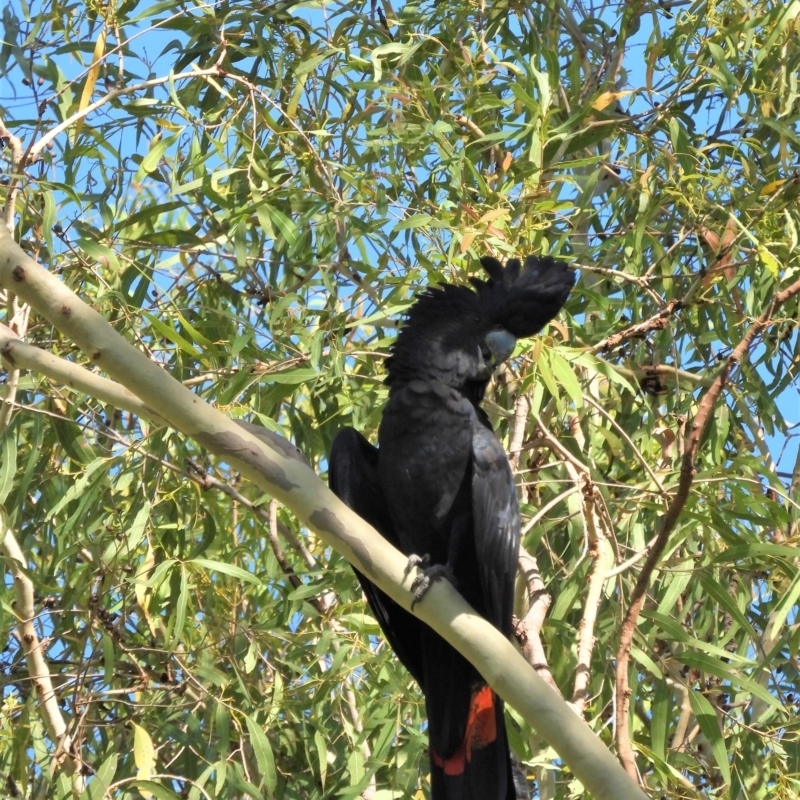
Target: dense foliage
{"x":251,"y":192}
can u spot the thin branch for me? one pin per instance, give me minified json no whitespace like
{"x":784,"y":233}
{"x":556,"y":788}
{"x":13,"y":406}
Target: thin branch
{"x":53,"y":133}
{"x":521,"y":409}
{"x":269,"y":516}
{"x":32,"y":647}
{"x":602,"y":556}
{"x":18,"y":354}
{"x":599,"y":535}
{"x":18,"y":315}
{"x":669,"y":520}
{"x":642,"y":460}
{"x":17,"y":157}
{"x":640,"y":330}
{"x":545,"y":509}
{"x":527,"y":631}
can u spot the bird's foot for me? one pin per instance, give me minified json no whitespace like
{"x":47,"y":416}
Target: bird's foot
{"x":423,"y":562}
{"x":430,"y":574}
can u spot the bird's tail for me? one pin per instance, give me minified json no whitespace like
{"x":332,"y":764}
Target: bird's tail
{"x":480,"y":769}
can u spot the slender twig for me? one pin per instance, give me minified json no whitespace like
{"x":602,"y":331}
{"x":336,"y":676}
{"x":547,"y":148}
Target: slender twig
{"x":662,"y":491}
{"x":18,"y":354}
{"x":599,"y":535}
{"x":53,"y":133}
{"x":545,"y":509}
{"x":269,"y":516}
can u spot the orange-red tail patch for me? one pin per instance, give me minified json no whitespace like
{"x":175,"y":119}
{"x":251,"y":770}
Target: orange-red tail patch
{"x":481,"y":723}
{"x":481,"y":731}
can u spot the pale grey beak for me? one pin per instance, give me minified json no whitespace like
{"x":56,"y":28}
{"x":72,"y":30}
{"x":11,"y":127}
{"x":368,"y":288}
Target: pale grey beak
{"x":501,"y":345}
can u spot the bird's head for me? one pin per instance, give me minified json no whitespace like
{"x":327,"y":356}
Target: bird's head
{"x":459,"y":336}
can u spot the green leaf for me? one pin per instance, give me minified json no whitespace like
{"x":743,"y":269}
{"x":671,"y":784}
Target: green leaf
{"x":292,"y":376}
{"x":263,"y":753}
{"x":660,"y":717}
{"x":226,"y":569}
{"x":566,"y":377}
{"x":155,"y":790}
{"x":181,"y":608}
{"x":80,"y":486}
{"x":786,"y":605}
{"x":172,"y":335}
{"x":322,"y":757}
{"x":8,"y":465}
{"x":707,"y":720}
{"x":158,"y":147}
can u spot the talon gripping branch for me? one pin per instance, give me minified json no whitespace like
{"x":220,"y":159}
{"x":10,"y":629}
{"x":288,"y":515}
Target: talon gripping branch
{"x":440,"y":489}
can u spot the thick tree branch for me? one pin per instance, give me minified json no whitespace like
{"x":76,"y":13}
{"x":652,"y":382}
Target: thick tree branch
{"x":298,"y":487}
{"x":17,"y":354}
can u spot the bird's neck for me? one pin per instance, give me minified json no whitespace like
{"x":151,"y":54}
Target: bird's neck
{"x":472,"y":391}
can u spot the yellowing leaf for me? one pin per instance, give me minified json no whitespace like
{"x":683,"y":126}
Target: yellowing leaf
{"x":141,"y":590}
{"x":769,"y":261}
{"x":297,"y":93}
{"x":144,"y":755}
{"x":466,"y":240}
{"x":652,"y":57}
{"x":495,"y":213}
{"x":771,"y":187}
{"x":607,"y":98}
{"x":91,"y":78}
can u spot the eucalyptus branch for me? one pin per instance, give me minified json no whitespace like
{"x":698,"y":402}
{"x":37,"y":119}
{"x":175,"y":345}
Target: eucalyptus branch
{"x":297,"y":486}
{"x":17,"y":354}
{"x":640,"y":330}
{"x":602,"y":556}
{"x":522,"y":407}
{"x":599,"y":534}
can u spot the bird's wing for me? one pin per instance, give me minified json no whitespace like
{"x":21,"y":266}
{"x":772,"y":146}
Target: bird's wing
{"x":496,"y":525}
{"x":353,"y":478}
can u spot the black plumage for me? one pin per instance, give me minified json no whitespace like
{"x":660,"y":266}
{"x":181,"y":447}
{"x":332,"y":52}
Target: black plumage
{"x":440,"y":487}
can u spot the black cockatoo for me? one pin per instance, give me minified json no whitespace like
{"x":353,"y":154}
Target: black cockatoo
{"x":440,"y":489}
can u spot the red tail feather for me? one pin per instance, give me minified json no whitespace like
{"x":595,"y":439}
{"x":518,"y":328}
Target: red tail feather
{"x":481,"y":731}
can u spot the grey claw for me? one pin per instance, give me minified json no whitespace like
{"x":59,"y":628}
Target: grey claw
{"x":423,"y":562}
{"x":430,"y":575}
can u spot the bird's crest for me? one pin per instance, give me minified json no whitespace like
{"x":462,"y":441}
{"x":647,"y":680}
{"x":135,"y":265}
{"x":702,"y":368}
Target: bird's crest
{"x":520,"y":299}
{"x":523,"y":299}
